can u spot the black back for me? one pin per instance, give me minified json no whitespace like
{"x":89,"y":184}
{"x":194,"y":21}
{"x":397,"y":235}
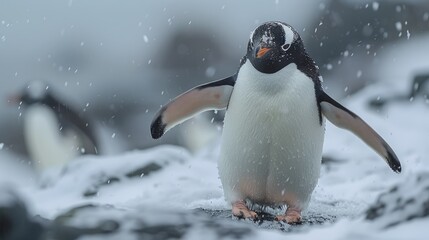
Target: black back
{"x":68,"y":119}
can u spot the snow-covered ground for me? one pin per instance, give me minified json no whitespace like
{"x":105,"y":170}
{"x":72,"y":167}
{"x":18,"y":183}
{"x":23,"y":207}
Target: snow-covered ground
{"x":166,"y":185}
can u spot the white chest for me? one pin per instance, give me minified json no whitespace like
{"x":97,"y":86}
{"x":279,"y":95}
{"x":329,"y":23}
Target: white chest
{"x":272,"y":139}
{"x":45,"y":143}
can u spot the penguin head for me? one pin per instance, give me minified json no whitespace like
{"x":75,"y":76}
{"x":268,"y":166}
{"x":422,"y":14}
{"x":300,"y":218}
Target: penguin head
{"x":274,"y":45}
{"x":35,"y":92}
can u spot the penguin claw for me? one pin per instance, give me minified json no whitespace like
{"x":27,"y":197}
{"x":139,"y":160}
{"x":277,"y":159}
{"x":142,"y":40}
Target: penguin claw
{"x":292,"y":220}
{"x":240,"y":210}
{"x":292,"y":217}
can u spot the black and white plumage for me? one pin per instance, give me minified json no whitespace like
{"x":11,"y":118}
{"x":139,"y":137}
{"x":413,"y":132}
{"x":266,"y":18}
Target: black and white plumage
{"x":275,"y":122}
{"x":53,"y":132}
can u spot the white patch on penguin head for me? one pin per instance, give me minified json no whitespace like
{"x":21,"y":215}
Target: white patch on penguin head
{"x":37,"y":90}
{"x":251,"y":36}
{"x":289,"y":36}
{"x":268,"y":37}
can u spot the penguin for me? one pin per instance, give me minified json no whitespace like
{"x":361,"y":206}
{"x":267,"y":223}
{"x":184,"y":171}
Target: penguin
{"x":54,"y":134}
{"x":273,"y":134}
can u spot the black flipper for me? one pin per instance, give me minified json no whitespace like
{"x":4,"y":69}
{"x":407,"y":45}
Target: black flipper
{"x":344,"y":118}
{"x":211,"y":96}
{"x":70,"y":121}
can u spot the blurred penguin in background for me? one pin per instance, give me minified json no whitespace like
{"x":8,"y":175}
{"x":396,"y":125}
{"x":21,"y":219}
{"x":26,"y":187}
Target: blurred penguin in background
{"x":54,"y":134}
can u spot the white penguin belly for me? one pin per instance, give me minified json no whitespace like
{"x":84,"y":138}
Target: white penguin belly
{"x":272,"y":139}
{"x":46,"y":145}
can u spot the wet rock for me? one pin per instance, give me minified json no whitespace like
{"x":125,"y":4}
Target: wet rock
{"x":103,"y":181}
{"x":402,"y":203}
{"x":144,"y":170}
{"x":266,"y":220}
{"x":15,"y":223}
{"x":140,"y":172}
{"x":64,"y":226}
{"x":109,"y":222}
{"x":103,"y":220}
{"x":96,"y":173}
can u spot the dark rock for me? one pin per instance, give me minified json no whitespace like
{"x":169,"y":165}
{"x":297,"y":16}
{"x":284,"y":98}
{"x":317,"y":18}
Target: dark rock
{"x":103,"y":181}
{"x":144,"y":171}
{"x":159,"y":224}
{"x":63,"y":228}
{"x":403,"y":202}
{"x":100,"y":221}
{"x":6,"y":225}
{"x":15,"y":224}
{"x":330,"y":160}
{"x":147,"y":224}
{"x":167,"y":231}
{"x":96,"y":173}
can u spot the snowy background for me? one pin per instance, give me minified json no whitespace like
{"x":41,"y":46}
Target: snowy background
{"x":126,"y":59}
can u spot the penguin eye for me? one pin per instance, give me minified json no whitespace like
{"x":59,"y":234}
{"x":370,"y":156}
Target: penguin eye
{"x":285,"y":47}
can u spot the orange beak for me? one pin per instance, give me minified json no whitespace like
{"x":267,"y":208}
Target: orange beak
{"x":14,"y":99}
{"x":262,"y":51}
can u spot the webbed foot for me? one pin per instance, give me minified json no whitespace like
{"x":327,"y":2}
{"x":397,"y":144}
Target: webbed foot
{"x":240,"y":210}
{"x":292,"y":216}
